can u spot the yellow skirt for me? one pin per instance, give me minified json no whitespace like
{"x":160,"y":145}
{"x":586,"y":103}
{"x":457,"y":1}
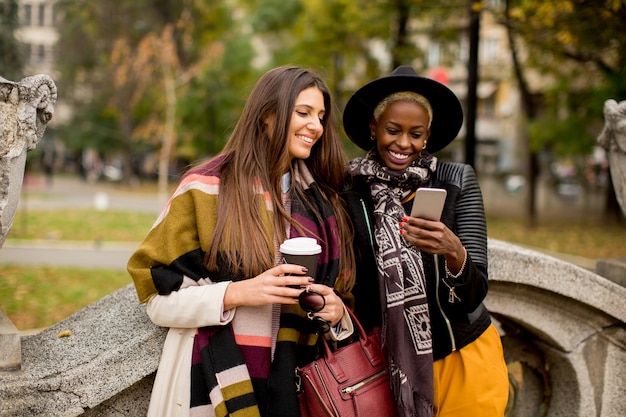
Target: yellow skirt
{"x":473,"y":381}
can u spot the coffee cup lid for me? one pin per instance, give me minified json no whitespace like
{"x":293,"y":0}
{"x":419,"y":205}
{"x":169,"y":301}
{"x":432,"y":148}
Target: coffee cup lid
{"x":300,"y":246}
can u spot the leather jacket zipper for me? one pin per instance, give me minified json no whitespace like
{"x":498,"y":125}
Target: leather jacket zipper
{"x":448,"y":325}
{"x":367,"y":223}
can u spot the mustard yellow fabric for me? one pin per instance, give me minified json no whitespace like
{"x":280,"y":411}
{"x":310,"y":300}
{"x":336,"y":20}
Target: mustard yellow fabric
{"x":186,"y":223}
{"x":473,"y":381}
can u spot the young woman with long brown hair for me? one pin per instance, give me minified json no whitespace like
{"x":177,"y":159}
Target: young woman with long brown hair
{"x":210,"y":269}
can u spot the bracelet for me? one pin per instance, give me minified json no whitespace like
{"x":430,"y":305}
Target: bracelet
{"x":458,"y":274}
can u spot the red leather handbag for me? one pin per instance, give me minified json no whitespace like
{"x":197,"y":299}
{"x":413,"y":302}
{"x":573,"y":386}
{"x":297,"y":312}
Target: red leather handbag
{"x":350,"y":381}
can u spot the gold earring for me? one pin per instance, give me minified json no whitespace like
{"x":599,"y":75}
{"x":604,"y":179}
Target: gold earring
{"x":424,"y":147}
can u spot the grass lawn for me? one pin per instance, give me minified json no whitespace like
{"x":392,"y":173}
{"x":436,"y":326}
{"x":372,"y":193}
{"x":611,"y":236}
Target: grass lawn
{"x":588,"y":239}
{"x":89,"y":225}
{"x":36,"y":297}
{"x":39,"y":297}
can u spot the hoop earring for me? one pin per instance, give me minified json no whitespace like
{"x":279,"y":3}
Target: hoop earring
{"x":424,"y":147}
{"x":373,"y":138}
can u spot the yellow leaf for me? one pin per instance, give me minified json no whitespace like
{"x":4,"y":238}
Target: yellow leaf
{"x":64,"y":333}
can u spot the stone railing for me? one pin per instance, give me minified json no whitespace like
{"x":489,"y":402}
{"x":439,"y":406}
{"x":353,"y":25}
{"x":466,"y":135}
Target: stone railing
{"x":563,"y":327}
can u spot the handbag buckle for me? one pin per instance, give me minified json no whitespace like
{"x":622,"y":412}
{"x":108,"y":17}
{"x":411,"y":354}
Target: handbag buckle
{"x":298,"y":383}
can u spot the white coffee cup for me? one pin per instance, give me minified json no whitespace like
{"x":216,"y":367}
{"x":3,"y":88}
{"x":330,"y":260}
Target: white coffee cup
{"x":302,"y":251}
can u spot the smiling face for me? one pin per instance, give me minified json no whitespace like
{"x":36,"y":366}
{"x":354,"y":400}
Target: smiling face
{"x":401,"y":131}
{"x":306,"y":125}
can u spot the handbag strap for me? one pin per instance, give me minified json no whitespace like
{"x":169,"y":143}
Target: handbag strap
{"x":371,"y":351}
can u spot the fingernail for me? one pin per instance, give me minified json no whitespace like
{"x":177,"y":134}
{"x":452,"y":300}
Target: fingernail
{"x":311,"y":280}
{"x":305,"y":269}
{"x":405,"y":219}
{"x":402,"y":231}
{"x":401,"y":224}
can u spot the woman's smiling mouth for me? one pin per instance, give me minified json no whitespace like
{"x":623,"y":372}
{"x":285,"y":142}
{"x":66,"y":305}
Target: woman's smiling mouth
{"x":399,"y":156}
{"x":305,"y":139}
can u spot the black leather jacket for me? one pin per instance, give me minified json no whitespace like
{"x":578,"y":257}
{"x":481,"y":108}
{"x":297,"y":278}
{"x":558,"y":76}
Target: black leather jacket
{"x":454,"y":325}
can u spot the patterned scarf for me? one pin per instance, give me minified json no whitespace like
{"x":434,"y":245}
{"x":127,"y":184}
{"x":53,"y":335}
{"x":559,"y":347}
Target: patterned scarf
{"x":230,"y":379}
{"x":406,"y":320}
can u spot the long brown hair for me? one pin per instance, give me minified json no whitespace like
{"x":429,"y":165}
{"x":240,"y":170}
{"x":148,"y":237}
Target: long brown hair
{"x":256,"y":154}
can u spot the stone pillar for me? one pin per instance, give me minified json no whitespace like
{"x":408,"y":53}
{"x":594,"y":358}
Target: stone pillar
{"x":26,"y":107}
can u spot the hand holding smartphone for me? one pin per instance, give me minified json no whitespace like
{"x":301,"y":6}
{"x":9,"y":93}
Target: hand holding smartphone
{"x":428,"y":203}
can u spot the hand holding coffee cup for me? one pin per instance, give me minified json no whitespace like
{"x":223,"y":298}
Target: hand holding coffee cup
{"x":303,"y":251}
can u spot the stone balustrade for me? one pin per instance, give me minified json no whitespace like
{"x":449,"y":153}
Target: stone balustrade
{"x":563,"y":327}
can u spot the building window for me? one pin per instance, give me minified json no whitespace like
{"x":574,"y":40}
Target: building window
{"x":42,"y":14}
{"x":434,"y":54}
{"x":27,"y":50}
{"x":491,"y":50}
{"x":488,"y":106}
{"x":494,"y":4}
{"x":463,"y":49}
{"x":28,"y":15}
{"x":41,"y":54}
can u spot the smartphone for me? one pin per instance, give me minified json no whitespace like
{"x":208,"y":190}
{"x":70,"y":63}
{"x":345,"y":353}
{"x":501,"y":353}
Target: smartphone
{"x":428,"y":203}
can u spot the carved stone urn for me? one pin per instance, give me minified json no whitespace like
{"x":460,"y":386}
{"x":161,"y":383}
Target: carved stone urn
{"x":26,"y":107}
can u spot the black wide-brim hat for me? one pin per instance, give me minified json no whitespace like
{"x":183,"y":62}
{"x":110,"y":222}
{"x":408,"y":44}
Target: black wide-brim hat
{"x":447,"y":109}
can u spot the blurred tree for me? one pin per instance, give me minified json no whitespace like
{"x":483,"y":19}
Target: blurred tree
{"x":350,"y":42}
{"x":11,"y":51}
{"x":99,"y":83}
{"x":580,"y":45}
{"x":145,"y":72}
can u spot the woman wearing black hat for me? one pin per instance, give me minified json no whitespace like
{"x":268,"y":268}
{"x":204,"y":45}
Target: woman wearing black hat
{"x":423,"y":281}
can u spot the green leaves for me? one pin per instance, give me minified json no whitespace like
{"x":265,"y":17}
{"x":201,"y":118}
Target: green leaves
{"x":11,"y":51}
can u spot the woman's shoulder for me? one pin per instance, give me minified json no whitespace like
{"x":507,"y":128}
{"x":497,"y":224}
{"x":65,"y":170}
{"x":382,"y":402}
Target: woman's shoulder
{"x":205,"y":174}
{"x":355,"y":185}
{"x":454,"y":172}
{"x":196,"y":181}
{"x":199,"y":180}
{"x":211,"y":167}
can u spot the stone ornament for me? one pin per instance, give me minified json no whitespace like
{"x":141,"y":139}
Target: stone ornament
{"x":26,"y":107}
{"x":613,"y":139}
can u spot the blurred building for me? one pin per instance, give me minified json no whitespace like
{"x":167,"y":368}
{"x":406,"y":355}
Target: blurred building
{"x":37,"y":32}
{"x":499,"y":145}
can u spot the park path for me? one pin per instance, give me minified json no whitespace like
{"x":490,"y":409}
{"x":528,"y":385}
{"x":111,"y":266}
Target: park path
{"x":66,"y":192}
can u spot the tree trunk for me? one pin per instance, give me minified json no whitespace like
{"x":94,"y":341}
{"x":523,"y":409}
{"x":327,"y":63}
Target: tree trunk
{"x":169,"y":134}
{"x":400,"y":36}
{"x":528,"y":108}
{"x":472,"y":82}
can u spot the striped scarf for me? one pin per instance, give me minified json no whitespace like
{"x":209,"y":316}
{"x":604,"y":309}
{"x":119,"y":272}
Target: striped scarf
{"x":232,"y":376}
{"x":406,"y":320}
